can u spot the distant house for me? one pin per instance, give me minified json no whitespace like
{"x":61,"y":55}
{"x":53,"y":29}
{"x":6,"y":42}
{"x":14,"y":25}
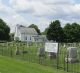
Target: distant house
{"x":26,"y":34}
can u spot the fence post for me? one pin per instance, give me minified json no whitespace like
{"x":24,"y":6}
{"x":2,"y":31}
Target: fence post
{"x":58,"y":57}
{"x":11,"y":53}
{"x":23,"y":49}
{"x":2,"y":50}
{"x":64,"y":61}
{"x":64,"y":58}
{"x":67,"y":63}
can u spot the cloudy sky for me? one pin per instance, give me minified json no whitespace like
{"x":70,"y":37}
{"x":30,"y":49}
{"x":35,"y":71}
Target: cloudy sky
{"x":39,"y":12}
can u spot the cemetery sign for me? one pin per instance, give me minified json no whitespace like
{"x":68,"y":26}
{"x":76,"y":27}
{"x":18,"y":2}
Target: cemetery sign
{"x":51,"y":47}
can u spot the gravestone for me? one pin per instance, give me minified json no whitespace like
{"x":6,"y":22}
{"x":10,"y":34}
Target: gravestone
{"x":41,"y":52}
{"x":52,"y":55}
{"x":41,"y":55}
{"x":71,"y":55}
{"x":18,"y":51}
{"x":24,"y":52}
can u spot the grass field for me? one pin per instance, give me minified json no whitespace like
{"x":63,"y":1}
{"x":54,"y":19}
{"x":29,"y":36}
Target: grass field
{"x":9,"y":65}
{"x":8,"y":49}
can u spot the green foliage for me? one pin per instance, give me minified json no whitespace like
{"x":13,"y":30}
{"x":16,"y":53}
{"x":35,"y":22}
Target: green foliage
{"x":36,"y":28}
{"x":55,"y":32}
{"x":11,"y":36}
{"x":45,"y":31}
{"x":69,"y":33}
{"x":4,"y":30}
{"x":72,"y":32}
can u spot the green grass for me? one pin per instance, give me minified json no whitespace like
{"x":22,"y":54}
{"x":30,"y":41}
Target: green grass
{"x":9,"y":65}
{"x":32,"y":56}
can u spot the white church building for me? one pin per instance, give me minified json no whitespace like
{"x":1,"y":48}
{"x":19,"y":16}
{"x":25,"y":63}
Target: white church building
{"x":26,"y":34}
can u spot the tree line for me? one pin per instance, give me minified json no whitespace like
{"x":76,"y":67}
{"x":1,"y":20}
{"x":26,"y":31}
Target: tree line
{"x":4,"y":31}
{"x":68,"y":33}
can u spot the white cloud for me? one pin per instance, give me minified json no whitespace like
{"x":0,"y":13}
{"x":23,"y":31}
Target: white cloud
{"x":59,"y":1}
{"x":20,"y":5}
{"x":10,"y":16}
{"x":42,"y":10}
{"x":38,"y":7}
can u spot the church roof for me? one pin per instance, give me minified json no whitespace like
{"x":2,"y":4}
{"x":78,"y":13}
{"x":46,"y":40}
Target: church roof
{"x":26,"y":30}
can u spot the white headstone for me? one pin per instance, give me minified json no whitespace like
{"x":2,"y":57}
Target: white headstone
{"x":71,"y":55}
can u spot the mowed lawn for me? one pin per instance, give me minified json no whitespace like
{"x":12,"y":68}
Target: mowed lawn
{"x":9,"y":65}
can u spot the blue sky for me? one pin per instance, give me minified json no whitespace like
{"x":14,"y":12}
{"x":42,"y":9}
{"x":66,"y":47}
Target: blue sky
{"x":39,"y":12}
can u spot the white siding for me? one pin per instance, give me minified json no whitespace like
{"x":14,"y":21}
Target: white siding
{"x":17,"y":33}
{"x":27,"y":34}
{"x":27,"y":38}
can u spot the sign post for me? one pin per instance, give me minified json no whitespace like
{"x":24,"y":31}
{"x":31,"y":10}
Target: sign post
{"x":53,"y":49}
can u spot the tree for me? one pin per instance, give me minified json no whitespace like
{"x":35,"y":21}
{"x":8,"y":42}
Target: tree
{"x":45,"y":31}
{"x":72,"y":32}
{"x":4,"y":30}
{"x":55,"y":32}
{"x":67,"y":32}
{"x":36,"y":28}
{"x":11,"y":36}
{"x":75,"y":32}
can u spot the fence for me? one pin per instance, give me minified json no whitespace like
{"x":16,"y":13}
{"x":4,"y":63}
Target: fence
{"x":28,"y":52}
